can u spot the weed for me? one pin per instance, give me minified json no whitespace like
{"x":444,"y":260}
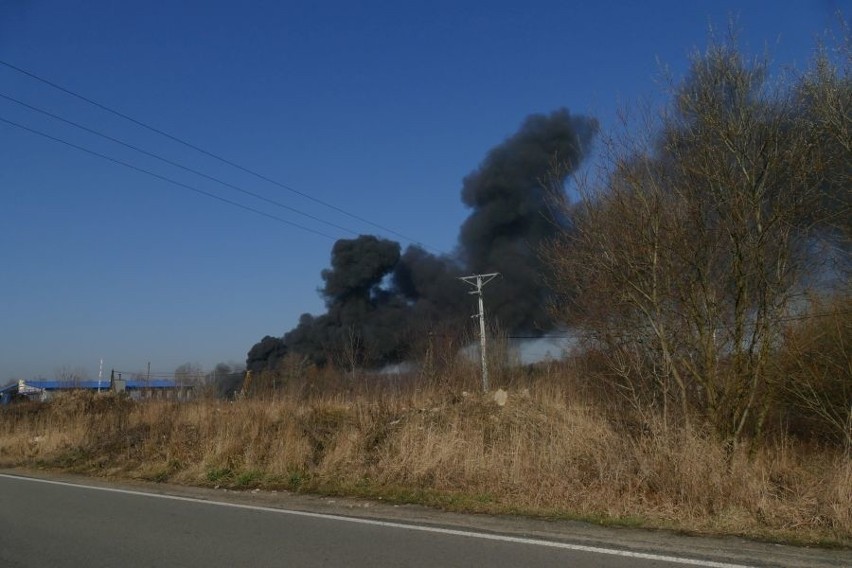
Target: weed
{"x":219,"y":474}
{"x":251,"y":478}
{"x":295,"y":480}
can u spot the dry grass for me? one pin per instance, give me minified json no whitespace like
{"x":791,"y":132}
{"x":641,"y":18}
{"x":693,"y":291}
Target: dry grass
{"x":549,"y":451}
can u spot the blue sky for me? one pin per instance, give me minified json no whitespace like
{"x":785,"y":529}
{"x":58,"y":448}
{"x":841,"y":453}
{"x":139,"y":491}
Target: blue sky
{"x":380,"y":108}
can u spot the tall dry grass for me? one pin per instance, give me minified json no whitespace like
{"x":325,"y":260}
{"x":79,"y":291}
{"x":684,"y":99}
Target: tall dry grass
{"x":550,"y":450}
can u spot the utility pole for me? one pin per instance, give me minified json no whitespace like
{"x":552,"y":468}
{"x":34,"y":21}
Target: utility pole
{"x":478,"y":281}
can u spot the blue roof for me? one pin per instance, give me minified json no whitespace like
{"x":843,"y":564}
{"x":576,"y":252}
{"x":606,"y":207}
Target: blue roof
{"x":133,"y":384}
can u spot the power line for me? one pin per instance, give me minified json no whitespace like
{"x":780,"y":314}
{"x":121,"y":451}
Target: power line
{"x":784,"y":319}
{"x":164,"y":374}
{"x":175,"y":164}
{"x":211,"y":154}
{"x":544,"y":337}
{"x":816,"y":315}
{"x":166,"y":179}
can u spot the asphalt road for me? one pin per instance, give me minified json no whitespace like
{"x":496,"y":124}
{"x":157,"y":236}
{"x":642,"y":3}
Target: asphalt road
{"x":46,"y":522}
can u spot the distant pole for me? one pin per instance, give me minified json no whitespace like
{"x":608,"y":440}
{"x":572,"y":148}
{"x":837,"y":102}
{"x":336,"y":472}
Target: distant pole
{"x":478,"y":281}
{"x":148,"y":378}
{"x":100,"y":374}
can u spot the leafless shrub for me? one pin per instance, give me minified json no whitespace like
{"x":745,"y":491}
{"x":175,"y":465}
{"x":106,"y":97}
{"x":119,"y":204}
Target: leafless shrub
{"x":815,"y":371}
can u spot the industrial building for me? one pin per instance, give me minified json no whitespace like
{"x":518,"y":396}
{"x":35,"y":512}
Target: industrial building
{"x":139,"y":389}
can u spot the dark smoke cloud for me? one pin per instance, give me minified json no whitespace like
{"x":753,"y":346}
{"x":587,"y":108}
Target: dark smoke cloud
{"x":267,"y":352}
{"x":362,"y":317}
{"x":378,"y":300}
{"x":357,"y":268}
{"x":509,"y":198}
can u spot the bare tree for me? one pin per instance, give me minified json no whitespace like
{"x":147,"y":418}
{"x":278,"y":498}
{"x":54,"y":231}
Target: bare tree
{"x":189,"y":374}
{"x":351,"y":352}
{"x":71,"y":375}
{"x":683,"y":263}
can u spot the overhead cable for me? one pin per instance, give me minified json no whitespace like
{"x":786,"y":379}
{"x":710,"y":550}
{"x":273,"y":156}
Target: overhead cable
{"x":211,"y":154}
{"x":176,"y":164}
{"x":166,"y":179}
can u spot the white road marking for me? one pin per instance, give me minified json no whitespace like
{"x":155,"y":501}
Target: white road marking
{"x":404,"y":526}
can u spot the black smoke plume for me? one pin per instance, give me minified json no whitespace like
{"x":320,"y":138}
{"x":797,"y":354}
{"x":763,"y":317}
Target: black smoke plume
{"x":379,"y":300}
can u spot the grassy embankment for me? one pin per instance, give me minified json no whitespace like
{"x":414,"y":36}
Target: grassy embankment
{"x":549,"y":451}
